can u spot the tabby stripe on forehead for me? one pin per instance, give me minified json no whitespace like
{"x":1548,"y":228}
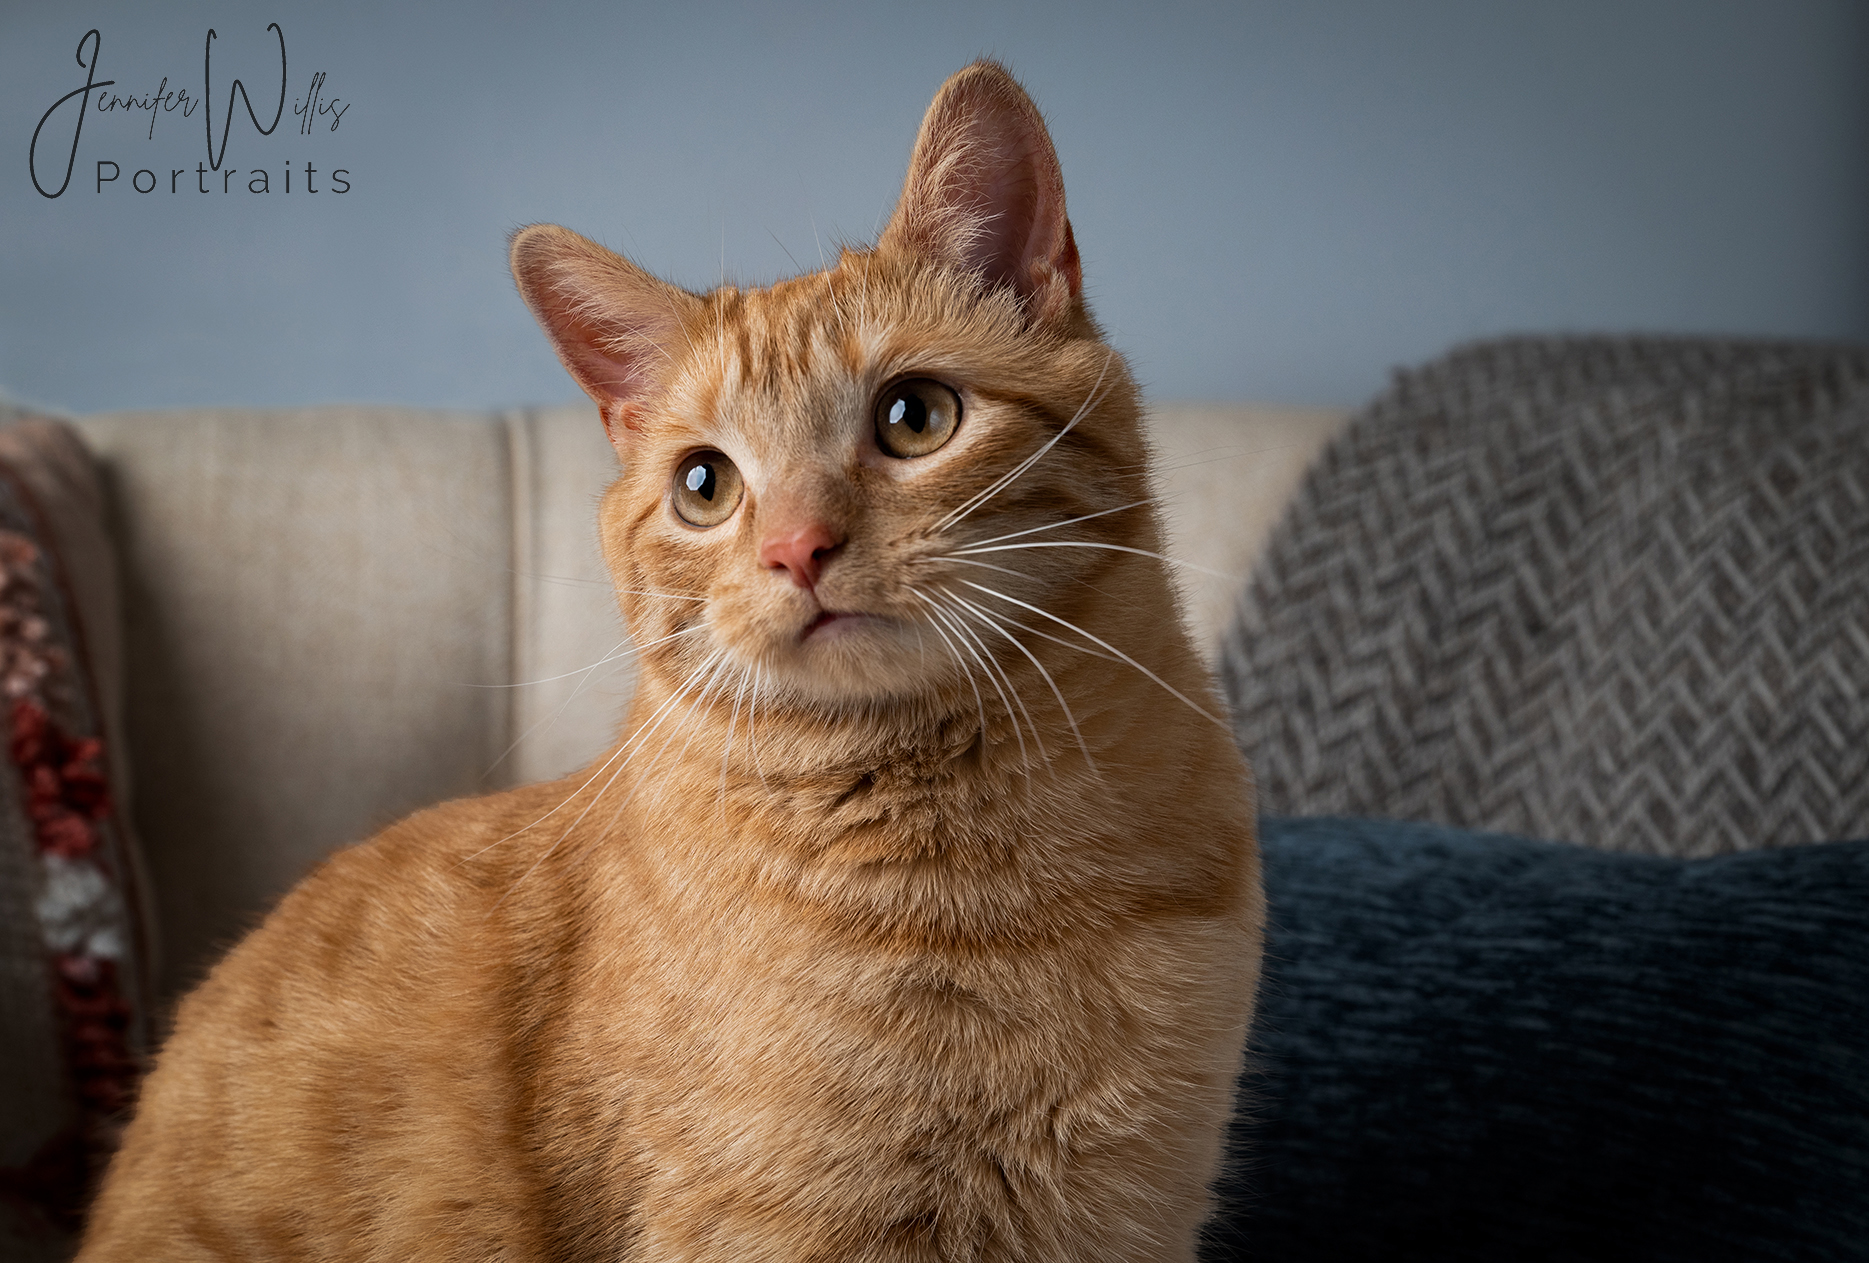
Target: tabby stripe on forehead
{"x":783,"y":346}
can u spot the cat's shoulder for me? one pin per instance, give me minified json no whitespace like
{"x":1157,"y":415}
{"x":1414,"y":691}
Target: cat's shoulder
{"x":441,"y":857}
{"x":421,"y":899}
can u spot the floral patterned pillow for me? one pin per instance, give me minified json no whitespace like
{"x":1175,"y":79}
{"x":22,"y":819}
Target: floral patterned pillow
{"x":76,"y":950}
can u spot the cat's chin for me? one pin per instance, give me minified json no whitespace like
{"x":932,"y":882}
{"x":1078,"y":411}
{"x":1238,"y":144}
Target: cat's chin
{"x":841,"y":658}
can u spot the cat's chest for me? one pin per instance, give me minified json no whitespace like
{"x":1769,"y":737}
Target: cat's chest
{"x":760,"y":1009}
{"x":799,"y":1000}
{"x":806,"y":1070}
{"x":755,"y":1045}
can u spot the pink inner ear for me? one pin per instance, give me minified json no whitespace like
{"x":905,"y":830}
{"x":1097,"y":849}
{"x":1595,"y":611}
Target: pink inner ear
{"x":611,"y":338}
{"x":611,"y":323}
{"x":1006,"y":206}
{"x":984,"y":191}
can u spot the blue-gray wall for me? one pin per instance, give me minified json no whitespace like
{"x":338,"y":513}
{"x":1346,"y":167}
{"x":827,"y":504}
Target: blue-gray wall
{"x":1275,"y":200}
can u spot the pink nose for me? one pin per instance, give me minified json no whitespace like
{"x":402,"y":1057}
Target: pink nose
{"x":801,"y":553}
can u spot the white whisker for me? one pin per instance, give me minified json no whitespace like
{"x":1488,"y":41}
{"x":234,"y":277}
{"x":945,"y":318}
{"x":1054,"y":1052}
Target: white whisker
{"x":966,"y":642}
{"x":639,"y":740}
{"x":979,"y":498}
{"x":1042,"y":634}
{"x":994,"y":623}
{"x":727,"y":747}
{"x":1024,"y":627}
{"x":614,"y":755}
{"x":669,"y":596}
{"x":1177,"y":693}
{"x":986,"y":565}
{"x":752,"y":732}
{"x":1052,"y":526}
{"x":954,"y":653}
{"x":627,"y":651}
{"x":557,"y":711}
{"x":661,"y":713}
{"x":700,"y":700}
{"x":961,"y":627}
{"x":1079,"y":543}
{"x":623,"y":746}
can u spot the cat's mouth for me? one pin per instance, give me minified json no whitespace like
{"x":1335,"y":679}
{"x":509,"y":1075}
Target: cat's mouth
{"x":833,"y":624}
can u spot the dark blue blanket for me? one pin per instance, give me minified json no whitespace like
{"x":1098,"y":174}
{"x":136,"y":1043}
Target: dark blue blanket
{"x":1476,"y":1047}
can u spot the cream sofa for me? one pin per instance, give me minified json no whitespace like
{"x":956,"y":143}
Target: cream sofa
{"x":334,"y":616}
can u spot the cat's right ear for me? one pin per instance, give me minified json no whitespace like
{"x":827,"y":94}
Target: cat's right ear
{"x":613,"y":325}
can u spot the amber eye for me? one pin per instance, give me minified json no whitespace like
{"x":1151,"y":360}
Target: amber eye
{"x":707,"y":489}
{"x":915,"y":417}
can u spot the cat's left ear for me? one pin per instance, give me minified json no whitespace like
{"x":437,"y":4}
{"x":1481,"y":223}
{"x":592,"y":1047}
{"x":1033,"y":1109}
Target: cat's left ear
{"x":984,"y":193}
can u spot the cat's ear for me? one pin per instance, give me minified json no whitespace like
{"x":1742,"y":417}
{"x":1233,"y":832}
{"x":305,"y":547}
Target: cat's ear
{"x":984,"y":192}
{"x":614,"y":326}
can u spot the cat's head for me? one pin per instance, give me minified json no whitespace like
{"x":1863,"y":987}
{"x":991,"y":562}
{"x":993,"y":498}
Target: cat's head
{"x":831,"y":486}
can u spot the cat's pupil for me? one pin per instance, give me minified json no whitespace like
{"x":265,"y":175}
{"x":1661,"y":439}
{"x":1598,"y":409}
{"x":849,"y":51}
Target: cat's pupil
{"x":909,"y":410}
{"x":702,"y":482}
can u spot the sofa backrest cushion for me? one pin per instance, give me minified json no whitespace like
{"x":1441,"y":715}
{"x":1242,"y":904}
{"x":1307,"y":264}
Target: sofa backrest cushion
{"x":319,"y":615}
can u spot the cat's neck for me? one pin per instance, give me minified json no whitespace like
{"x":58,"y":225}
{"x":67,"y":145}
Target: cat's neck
{"x":963,"y":805}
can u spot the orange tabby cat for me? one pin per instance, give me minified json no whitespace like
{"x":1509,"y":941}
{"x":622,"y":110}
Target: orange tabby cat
{"x":915,"y":916}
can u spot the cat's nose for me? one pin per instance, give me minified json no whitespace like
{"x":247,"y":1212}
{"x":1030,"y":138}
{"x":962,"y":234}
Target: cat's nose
{"x":801,"y":553}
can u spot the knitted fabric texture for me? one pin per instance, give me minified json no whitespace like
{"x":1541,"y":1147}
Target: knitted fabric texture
{"x":1610,"y":591}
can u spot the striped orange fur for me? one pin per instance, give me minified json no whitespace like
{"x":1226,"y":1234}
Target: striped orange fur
{"x":915,"y":914}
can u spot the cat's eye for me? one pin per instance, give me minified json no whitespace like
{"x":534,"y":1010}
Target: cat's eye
{"x":707,"y":489}
{"x":915,"y":417}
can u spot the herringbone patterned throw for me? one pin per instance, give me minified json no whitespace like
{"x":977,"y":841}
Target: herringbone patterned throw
{"x":1613,"y":592}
